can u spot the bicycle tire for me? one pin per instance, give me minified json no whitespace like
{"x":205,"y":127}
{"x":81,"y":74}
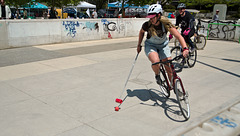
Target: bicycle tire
{"x":191,"y":58}
{"x":182,"y":98}
{"x":178,"y":65}
{"x":200,"y":41}
{"x":176,"y":43}
{"x":163,"y":85}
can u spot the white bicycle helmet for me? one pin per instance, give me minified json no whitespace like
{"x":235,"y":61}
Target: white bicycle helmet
{"x":154,"y":9}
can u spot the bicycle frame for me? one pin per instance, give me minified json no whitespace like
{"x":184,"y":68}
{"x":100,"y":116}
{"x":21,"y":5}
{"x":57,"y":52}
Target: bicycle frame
{"x":162,"y":69}
{"x":181,"y":93}
{"x":175,"y":76}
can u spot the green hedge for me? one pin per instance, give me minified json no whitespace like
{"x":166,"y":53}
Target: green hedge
{"x":169,"y":10}
{"x":205,"y":11}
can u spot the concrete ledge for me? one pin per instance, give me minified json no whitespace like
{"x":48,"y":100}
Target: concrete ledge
{"x":203,"y":118}
{"x":19,"y":33}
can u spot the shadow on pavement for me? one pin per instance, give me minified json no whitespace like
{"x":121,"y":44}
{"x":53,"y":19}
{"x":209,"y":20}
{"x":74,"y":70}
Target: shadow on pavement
{"x":231,"y":73}
{"x":170,"y":105}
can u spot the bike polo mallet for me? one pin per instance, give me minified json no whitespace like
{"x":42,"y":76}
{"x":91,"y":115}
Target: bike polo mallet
{"x":118,"y":100}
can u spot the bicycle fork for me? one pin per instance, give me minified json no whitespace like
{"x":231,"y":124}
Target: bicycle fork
{"x":175,"y":76}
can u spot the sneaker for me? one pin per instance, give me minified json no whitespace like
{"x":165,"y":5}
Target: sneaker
{"x":158,"y":79}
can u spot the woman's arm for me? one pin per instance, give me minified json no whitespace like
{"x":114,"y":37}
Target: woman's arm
{"x":140,"y":38}
{"x":178,"y":36}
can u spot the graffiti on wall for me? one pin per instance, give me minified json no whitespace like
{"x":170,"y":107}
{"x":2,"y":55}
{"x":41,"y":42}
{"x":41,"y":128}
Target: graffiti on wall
{"x":218,"y":29}
{"x":109,"y":27}
{"x":70,"y":27}
{"x":90,"y":26}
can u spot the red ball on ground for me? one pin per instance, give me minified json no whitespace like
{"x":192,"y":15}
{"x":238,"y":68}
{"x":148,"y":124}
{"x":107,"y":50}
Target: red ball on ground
{"x":117,"y":108}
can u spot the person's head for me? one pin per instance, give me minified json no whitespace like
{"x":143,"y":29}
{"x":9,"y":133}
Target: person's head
{"x":181,"y":8}
{"x":2,"y":2}
{"x":217,"y":11}
{"x":154,"y":13}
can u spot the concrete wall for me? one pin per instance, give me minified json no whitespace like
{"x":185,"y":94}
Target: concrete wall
{"x":19,"y":33}
{"x":237,"y":33}
{"x":223,"y":29}
{"x":3,"y":35}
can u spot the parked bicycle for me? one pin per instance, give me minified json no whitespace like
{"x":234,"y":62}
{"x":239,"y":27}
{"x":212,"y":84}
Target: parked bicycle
{"x":199,"y":39}
{"x":178,"y":88}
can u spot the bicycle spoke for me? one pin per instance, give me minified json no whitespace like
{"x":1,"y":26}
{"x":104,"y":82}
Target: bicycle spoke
{"x":200,"y":41}
{"x":178,"y":64}
{"x":192,"y":57}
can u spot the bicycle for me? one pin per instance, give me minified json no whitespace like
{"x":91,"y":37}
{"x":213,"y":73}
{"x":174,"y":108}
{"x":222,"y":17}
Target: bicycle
{"x":181,"y":93}
{"x":190,"y":59}
{"x":198,"y":39}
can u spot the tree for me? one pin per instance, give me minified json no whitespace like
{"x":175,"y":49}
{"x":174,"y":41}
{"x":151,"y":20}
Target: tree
{"x":17,"y":3}
{"x":59,"y":3}
{"x":209,"y":4}
{"x":100,"y":4}
{"x":144,"y":2}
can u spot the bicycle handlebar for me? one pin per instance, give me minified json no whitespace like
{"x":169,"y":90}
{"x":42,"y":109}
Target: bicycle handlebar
{"x":168,"y":61}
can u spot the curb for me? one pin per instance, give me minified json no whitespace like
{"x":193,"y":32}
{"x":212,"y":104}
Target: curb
{"x":203,"y":118}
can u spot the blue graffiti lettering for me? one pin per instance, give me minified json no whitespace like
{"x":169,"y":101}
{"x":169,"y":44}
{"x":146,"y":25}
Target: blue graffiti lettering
{"x":225,"y":122}
{"x":70,"y":27}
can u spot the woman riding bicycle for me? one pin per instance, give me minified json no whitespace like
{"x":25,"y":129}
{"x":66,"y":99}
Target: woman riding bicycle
{"x":156,"y":44}
{"x":187,"y":24}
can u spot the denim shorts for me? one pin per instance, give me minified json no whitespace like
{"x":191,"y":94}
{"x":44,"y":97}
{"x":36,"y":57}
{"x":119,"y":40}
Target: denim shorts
{"x":162,"y":49}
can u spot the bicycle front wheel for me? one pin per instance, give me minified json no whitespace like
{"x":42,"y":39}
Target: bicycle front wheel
{"x":192,"y":57}
{"x":178,"y":64}
{"x":200,"y":41}
{"x":182,"y":98}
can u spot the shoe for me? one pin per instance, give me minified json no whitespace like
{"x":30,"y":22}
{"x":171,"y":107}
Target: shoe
{"x":158,"y":79}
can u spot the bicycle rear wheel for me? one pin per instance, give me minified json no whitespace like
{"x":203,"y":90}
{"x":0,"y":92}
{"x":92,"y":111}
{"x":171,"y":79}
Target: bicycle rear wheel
{"x":178,"y":64}
{"x":192,"y":57}
{"x":182,"y":98}
{"x":200,"y":41}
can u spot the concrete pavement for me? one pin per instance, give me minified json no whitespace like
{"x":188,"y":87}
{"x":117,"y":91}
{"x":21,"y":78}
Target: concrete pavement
{"x":69,"y":90}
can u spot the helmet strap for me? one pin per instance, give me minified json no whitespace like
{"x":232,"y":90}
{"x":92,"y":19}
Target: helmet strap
{"x":158,"y":18}
{"x":183,"y":13}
